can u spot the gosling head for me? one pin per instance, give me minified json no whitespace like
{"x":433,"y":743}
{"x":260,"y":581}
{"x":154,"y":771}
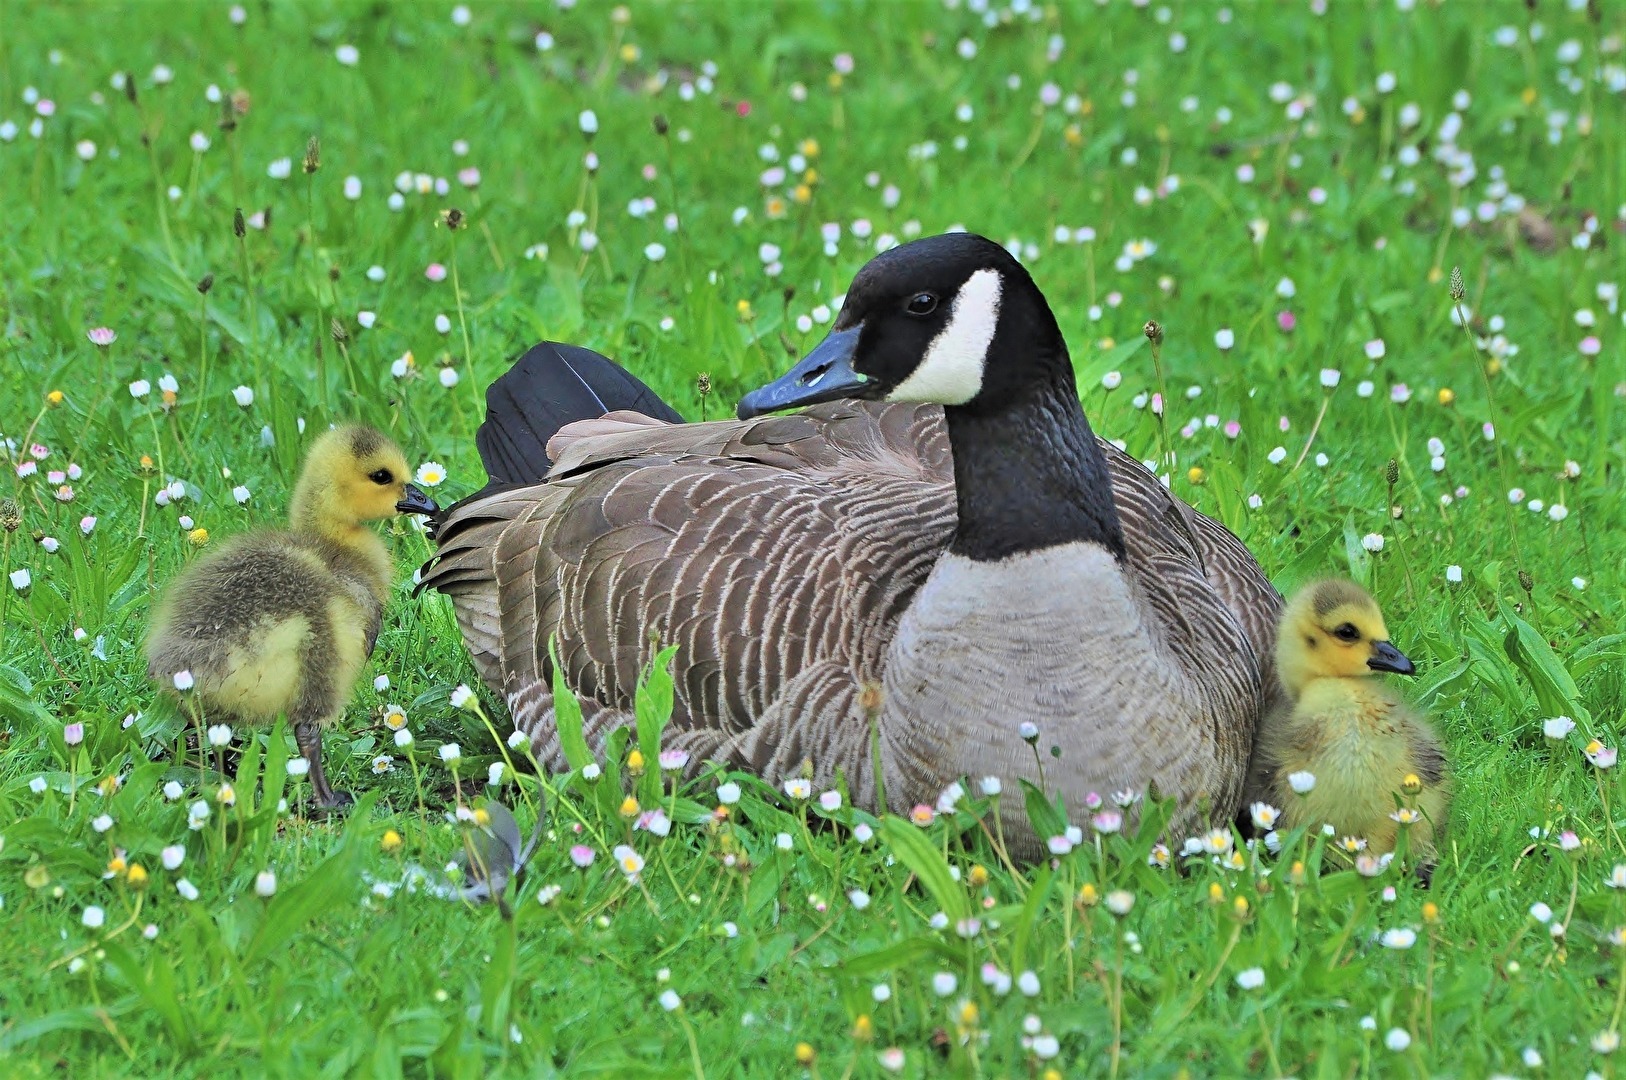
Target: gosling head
{"x":354,"y":474}
{"x":1334,"y":630}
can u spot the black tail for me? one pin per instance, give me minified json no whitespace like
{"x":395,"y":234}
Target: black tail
{"x":550,"y":386}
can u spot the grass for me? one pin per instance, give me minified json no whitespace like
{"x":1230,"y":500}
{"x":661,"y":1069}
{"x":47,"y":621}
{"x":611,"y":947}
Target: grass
{"x":114,"y":220}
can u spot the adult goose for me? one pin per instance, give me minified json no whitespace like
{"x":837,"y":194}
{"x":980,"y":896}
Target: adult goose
{"x":941,"y":527}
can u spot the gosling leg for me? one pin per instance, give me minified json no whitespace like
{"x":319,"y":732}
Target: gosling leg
{"x":309,"y":738}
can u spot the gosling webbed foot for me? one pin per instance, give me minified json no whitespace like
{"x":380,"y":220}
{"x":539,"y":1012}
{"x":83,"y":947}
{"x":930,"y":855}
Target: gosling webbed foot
{"x":334,"y":799}
{"x":309,"y":738}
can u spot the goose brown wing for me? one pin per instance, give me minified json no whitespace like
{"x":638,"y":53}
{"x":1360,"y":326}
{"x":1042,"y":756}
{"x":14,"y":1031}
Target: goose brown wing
{"x":758,"y":548}
{"x":1155,"y":522}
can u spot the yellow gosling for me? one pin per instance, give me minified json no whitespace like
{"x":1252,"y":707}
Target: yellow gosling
{"x":281,"y":621}
{"x":1377,"y":764}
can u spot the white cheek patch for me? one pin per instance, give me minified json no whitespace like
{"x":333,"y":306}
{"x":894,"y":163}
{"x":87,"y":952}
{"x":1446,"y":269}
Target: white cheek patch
{"x":951,"y":372}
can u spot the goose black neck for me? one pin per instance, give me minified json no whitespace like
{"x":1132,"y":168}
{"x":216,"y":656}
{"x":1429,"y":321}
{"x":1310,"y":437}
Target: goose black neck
{"x":1028,"y":474}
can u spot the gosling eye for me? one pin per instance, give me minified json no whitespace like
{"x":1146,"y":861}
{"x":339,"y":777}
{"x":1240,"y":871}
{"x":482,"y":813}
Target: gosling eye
{"x":921,"y":304}
{"x":1347,"y":633}
{"x":381,"y":476}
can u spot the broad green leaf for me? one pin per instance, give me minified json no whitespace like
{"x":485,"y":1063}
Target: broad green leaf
{"x":498,"y":985}
{"x":1038,"y":893}
{"x":652,"y":708}
{"x":17,"y":702}
{"x":1042,"y":813}
{"x":328,"y":885}
{"x":567,"y":715}
{"x":1556,"y":691}
{"x":897,"y":955}
{"x":911,"y":848}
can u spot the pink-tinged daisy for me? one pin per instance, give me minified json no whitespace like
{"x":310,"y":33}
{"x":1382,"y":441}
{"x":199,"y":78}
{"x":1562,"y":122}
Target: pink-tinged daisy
{"x":435,"y":272}
{"x":922,"y":815}
{"x":1600,"y":755}
{"x":582,"y":856}
{"x":101,"y":336}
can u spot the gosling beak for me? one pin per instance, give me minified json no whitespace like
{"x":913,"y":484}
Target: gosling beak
{"x":416,"y":501}
{"x":1385,"y":657}
{"x":825,"y":374}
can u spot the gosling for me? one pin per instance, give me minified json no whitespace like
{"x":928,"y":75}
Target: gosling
{"x":280,"y":621}
{"x":1365,"y":746}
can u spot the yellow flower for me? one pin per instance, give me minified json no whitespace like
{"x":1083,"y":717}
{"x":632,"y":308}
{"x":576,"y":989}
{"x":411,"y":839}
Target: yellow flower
{"x":978,"y":876}
{"x":1074,"y":136}
{"x":1051,"y":1074}
{"x":863,"y":1028}
{"x":1216,"y":894}
{"x":969,"y":1014}
{"x":198,"y":537}
{"x":1089,"y":895}
{"x":744,"y":308}
{"x":482,"y":817}
{"x":803,"y":194}
{"x":109,"y":784}
{"x":137,"y":876}
{"x":804,"y":1054}
{"x":776,"y":207}
{"x":1411,"y":785}
{"x":54,"y":397}
{"x":116,"y":865}
{"x":1196,"y":475}
{"x":1296,"y":873}
{"x":635,"y":763}
{"x":809,"y":148}
{"x":391,"y":842}
{"x":629,"y":807}
{"x":1239,"y":906}
{"x":1528,"y":95}
{"x":1447,"y":395}
{"x":1431,"y":912}
{"x":629,"y":53}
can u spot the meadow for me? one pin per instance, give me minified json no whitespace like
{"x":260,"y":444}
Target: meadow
{"x":1382,"y":240}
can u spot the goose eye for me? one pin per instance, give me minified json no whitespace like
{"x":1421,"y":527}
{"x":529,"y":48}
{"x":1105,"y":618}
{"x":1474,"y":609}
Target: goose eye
{"x":380,"y":476}
{"x":922,"y":304}
{"x":1347,"y":632}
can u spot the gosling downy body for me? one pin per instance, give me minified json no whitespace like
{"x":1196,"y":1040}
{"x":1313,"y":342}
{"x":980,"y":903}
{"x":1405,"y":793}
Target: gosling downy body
{"x":956,"y":537}
{"x":280,"y":621}
{"x":1357,"y":737}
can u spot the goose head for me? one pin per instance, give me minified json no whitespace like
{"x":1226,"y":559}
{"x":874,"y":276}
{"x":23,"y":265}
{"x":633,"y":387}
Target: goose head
{"x":1335,"y":630}
{"x":950,"y":320}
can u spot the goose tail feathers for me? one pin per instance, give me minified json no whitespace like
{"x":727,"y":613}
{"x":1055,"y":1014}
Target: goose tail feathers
{"x":550,"y":386}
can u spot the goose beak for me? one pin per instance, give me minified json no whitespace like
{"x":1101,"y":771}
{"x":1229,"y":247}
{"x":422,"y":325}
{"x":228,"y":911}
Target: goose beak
{"x":416,"y":501}
{"x":1385,"y":657}
{"x":825,"y":374}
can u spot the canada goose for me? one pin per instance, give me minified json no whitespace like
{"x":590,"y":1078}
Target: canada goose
{"x":1358,"y":738}
{"x":959,"y":541}
{"x":280,"y":621}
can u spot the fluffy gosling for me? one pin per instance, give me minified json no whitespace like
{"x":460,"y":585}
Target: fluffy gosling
{"x":281,"y":621}
{"x":1363,"y":743}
